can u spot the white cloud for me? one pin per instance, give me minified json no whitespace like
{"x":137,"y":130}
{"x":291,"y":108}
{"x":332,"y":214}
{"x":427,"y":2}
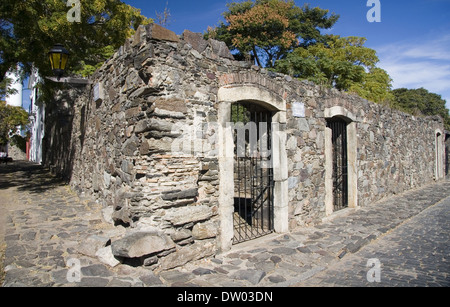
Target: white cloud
{"x":435,"y":50}
{"x":419,"y":64}
{"x":432,"y":76}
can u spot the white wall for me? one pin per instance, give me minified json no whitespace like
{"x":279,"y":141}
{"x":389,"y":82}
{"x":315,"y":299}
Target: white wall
{"x":16,"y":99}
{"x":37,"y":119}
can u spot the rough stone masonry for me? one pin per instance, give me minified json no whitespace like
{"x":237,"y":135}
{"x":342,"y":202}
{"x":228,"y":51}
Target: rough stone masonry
{"x":148,"y":140}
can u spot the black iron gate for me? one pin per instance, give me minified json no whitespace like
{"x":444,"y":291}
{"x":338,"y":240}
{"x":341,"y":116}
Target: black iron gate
{"x":340,"y":163}
{"x":253,"y":173}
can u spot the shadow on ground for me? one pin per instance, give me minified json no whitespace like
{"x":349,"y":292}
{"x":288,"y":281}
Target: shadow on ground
{"x":27,"y":176}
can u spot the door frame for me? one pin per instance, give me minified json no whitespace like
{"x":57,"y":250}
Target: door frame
{"x":440,"y":154}
{"x":228,"y":95}
{"x":253,"y":171}
{"x":339,"y":143}
{"x":352,"y":148}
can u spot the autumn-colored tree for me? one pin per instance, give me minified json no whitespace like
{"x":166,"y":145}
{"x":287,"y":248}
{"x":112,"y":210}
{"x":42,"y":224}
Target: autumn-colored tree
{"x":340,"y":62}
{"x":269,"y":29}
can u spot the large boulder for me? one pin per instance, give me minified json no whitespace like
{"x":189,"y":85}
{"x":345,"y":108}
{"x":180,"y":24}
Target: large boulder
{"x":140,"y":244}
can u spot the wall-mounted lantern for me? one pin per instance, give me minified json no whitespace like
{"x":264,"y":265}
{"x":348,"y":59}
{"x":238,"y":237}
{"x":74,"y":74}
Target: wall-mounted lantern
{"x":58,"y":59}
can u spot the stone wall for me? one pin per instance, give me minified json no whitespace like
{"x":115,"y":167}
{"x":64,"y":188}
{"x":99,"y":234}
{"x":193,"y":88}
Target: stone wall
{"x":144,"y":141}
{"x":16,"y":153}
{"x":394,"y":152}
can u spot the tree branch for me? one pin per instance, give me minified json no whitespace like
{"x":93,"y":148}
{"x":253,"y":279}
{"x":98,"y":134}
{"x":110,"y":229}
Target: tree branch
{"x":256,"y":56}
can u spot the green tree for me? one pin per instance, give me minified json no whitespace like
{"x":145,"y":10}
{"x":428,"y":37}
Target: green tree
{"x":340,"y":62}
{"x":5,"y":89}
{"x":269,"y":29}
{"x":28,"y":30}
{"x":10,"y":118}
{"x":375,"y":86}
{"x":421,"y":102}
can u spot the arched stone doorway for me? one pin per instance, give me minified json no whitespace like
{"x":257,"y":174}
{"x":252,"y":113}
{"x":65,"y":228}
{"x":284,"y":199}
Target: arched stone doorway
{"x":266,"y":104}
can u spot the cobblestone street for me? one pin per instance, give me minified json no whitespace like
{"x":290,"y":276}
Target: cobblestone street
{"x":45,"y":227}
{"x":414,"y":254}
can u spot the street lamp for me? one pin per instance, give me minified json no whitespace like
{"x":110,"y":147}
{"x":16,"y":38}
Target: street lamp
{"x":58,"y":59}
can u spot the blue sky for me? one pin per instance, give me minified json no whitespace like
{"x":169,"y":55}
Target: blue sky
{"x":412,"y":39}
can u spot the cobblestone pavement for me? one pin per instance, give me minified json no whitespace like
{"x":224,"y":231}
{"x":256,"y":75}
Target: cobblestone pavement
{"x":416,"y":254}
{"x":47,"y":228}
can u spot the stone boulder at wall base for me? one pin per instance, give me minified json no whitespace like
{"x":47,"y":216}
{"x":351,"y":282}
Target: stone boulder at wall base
{"x":141,"y":244}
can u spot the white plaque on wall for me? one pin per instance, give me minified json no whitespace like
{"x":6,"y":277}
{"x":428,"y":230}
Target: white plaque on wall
{"x":98,"y":92}
{"x":298,"y":109}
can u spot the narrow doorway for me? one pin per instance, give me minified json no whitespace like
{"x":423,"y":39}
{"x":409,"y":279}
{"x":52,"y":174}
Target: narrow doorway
{"x":340,"y":163}
{"x":447,"y":154}
{"x":440,"y":155}
{"x":253,"y":215}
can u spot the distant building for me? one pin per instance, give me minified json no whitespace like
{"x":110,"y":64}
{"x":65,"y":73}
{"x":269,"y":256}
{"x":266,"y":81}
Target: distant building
{"x":15,"y":100}
{"x":37,"y":118}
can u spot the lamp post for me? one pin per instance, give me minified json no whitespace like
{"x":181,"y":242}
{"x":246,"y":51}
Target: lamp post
{"x":58,"y":59}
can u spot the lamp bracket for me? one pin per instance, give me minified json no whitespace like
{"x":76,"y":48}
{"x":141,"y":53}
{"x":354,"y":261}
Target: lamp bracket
{"x":70,"y":80}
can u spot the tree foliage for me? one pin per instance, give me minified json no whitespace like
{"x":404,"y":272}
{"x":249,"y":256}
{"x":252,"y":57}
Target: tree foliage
{"x":28,"y":30}
{"x":340,"y":62}
{"x":10,"y":118}
{"x":269,"y":29}
{"x":421,"y":102}
{"x":5,"y":89}
{"x":287,"y":38}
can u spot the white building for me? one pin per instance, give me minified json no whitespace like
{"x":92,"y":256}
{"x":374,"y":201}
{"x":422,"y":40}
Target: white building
{"x":16,"y":99}
{"x":37,"y":118}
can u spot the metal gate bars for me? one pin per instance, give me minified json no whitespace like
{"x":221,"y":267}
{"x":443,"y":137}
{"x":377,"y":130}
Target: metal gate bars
{"x":340,"y":163}
{"x":253,"y":173}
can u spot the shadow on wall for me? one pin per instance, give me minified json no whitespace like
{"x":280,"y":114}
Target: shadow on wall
{"x":58,"y":146}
